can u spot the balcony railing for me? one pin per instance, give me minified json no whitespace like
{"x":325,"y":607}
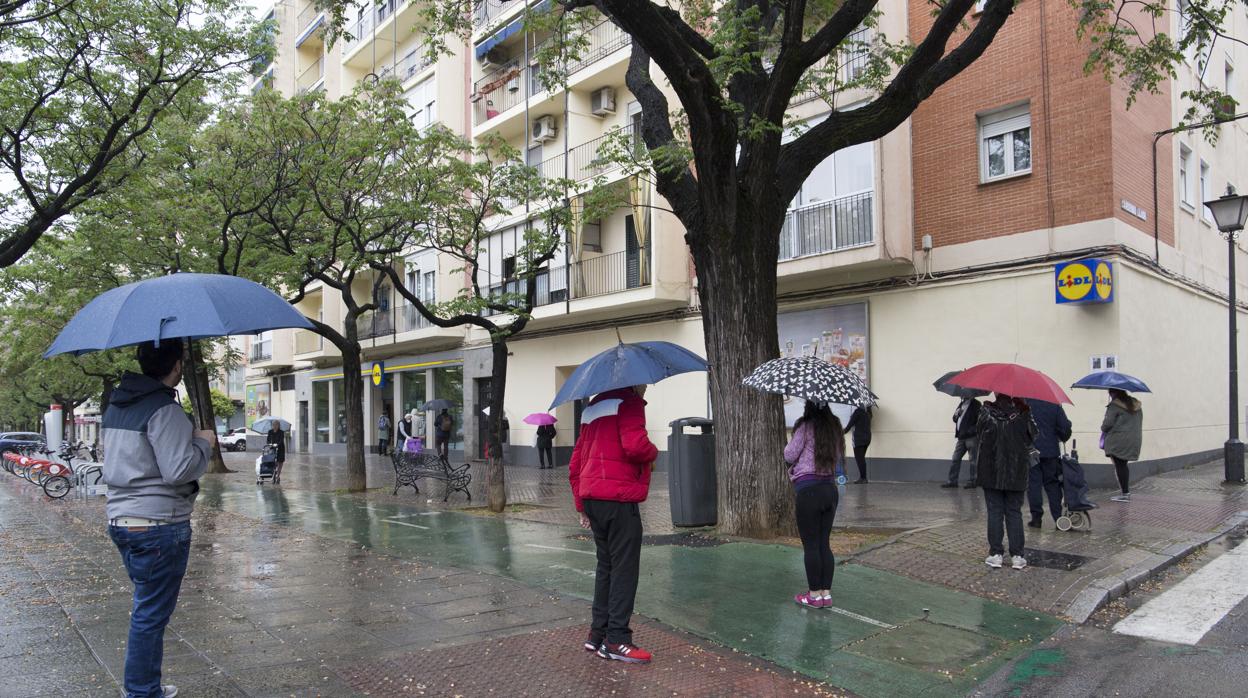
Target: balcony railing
{"x":308,"y":342}
{"x":311,"y":76}
{"x":490,"y":9}
{"x":411,"y":319}
{"x":828,"y":226}
{"x":360,"y":30}
{"x":509,"y":85}
{"x":374,"y":323}
{"x":596,"y":276}
{"x":852,"y":58}
{"x":306,"y":16}
{"x":592,"y":158}
{"x":262,"y":351}
{"x":414,"y":62}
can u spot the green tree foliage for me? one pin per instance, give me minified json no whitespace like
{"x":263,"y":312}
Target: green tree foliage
{"x":222,"y":405}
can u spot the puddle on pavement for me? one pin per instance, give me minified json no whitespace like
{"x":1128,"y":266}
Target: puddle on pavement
{"x":1054,"y":560}
{"x":684,"y":540}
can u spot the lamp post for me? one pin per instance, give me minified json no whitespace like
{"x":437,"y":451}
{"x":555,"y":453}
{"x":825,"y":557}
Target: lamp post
{"x":1230,"y":211}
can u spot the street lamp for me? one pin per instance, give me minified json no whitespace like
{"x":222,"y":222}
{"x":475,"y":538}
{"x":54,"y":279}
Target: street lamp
{"x":1230,"y":211}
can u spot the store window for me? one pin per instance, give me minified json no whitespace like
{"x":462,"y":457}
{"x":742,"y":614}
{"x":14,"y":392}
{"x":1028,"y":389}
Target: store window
{"x":320,"y":400}
{"x":448,"y":383}
{"x":340,"y":411}
{"x":1005,"y":143}
{"x":412,"y":392}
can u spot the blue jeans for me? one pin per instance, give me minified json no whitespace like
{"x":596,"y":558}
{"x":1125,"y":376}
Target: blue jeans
{"x":155,"y":559}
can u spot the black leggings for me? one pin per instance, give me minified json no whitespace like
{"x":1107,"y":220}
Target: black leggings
{"x":546,"y":456}
{"x":1124,"y":475}
{"x":860,"y":457}
{"x":816,"y":508}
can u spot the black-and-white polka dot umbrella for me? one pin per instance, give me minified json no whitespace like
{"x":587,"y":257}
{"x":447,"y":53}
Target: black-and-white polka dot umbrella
{"x":811,"y":378}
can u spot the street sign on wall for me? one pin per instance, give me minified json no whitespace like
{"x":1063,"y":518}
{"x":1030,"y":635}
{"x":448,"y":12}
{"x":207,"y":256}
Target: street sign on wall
{"x":1084,"y":281}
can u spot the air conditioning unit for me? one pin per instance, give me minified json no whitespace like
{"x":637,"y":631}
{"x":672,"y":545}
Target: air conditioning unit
{"x":602,"y":101}
{"x":544,"y":129}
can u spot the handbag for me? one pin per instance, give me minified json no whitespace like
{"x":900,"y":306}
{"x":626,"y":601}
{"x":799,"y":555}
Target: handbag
{"x":1102,"y":441}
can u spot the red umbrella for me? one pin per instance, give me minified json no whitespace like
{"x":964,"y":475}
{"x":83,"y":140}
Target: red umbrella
{"x":1012,"y":380}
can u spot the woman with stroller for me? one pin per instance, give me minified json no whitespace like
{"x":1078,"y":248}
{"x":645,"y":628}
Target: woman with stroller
{"x":815,"y":454}
{"x":277,"y":438}
{"x":1122,"y":433}
{"x":1007,"y":437}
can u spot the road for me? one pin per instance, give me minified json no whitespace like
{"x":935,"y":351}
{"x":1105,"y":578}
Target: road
{"x":1185,"y":634}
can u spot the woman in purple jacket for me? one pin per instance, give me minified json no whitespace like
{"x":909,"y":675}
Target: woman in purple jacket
{"x":815,"y":453}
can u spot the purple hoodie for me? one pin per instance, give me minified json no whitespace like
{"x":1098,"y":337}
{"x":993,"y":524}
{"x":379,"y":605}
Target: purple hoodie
{"x":801,"y":454}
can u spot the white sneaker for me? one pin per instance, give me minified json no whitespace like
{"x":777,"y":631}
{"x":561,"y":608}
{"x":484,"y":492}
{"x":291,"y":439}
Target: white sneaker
{"x":1018,"y":562}
{"x":1120,"y":498}
{"x":168,"y":691}
{"x":994,"y":561}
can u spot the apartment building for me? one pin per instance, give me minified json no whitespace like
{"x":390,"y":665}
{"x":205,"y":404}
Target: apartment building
{"x":942,"y":245}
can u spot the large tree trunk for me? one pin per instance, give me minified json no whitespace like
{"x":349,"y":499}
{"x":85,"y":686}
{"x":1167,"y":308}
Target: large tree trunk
{"x":737,"y":289}
{"x":495,"y":482}
{"x":195,"y":378}
{"x":353,"y":393}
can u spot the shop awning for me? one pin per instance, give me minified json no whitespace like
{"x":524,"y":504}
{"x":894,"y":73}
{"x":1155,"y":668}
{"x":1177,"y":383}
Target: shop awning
{"x":507,"y":32}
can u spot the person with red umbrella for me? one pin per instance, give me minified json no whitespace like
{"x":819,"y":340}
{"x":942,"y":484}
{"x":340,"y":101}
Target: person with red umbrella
{"x":1006,"y":434}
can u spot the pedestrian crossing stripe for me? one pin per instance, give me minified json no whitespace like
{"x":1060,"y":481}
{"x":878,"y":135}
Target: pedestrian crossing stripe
{"x":1189,"y":610}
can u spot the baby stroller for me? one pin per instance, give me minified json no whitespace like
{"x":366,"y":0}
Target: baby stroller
{"x":266,"y":464}
{"x":1076,"y":507}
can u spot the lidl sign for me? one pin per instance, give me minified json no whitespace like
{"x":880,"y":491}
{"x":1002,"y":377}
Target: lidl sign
{"x":1084,"y":281}
{"x":379,"y":374}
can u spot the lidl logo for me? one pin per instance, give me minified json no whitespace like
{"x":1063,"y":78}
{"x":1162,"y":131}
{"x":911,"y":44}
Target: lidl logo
{"x":1085,"y":281}
{"x":379,"y":373}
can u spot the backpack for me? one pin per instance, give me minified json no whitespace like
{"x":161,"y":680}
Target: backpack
{"x":445,"y":423}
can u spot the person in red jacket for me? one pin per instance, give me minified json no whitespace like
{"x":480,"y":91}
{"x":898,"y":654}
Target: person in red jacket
{"x":610,"y":474}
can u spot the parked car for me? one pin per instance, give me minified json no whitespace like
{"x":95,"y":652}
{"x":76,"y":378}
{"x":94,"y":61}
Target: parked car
{"x":232,"y":439}
{"x":13,"y":440}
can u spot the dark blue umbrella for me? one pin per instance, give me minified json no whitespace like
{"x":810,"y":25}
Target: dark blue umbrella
{"x":191,"y":306}
{"x":625,"y":365}
{"x":1105,"y":380}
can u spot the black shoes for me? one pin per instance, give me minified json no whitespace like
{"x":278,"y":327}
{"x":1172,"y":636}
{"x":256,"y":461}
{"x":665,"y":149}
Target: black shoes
{"x":1034,"y":523}
{"x":948,"y":485}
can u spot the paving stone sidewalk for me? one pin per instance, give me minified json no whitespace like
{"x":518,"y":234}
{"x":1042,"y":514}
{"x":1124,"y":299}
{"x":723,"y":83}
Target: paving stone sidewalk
{"x":923,"y":531}
{"x":270,"y":610}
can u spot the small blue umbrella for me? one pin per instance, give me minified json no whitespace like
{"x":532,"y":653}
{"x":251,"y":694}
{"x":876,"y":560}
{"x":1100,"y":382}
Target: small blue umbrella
{"x":624,"y":365}
{"x":1106,"y":380}
{"x":191,"y":306}
{"x":265,"y":424}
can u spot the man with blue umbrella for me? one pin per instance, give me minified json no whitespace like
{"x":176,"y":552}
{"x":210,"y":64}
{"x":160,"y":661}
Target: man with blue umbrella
{"x":152,"y":461}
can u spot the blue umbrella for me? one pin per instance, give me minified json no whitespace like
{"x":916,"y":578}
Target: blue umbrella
{"x":1105,"y":380}
{"x":626,"y":365}
{"x":192,"y":306}
{"x":265,"y":424}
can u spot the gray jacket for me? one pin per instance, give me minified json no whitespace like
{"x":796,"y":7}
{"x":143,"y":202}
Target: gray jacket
{"x":1123,"y":428}
{"x":151,"y":461}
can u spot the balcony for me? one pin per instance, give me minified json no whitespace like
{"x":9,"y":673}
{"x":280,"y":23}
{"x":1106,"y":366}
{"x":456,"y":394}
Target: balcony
{"x":307,"y":21}
{"x":593,"y":158}
{"x":597,"y":276}
{"x":411,"y":320}
{"x":489,"y":10}
{"x":828,"y":226}
{"x":413,"y":63}
{"x":260,"y":352}
{"x":852,"y":59}
{"x":508,"y":86}
{"x":308,"y":342}
{"x":374,"y":323}
{"x":312,"y":77}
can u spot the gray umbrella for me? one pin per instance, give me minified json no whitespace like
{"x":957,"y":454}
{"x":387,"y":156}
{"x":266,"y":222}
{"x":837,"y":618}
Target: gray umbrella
{"x":812,"y":379}
{"x":439,"y":404}
{"x":943,"y":385}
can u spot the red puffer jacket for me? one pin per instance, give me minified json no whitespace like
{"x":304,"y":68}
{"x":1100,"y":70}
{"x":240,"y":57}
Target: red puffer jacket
{"x":612,"y":458}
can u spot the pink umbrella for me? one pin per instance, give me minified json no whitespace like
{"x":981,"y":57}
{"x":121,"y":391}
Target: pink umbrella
{"x":540,"y":418}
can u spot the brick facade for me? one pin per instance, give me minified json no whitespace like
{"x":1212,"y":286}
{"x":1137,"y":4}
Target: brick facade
{"x":1088,"y":151}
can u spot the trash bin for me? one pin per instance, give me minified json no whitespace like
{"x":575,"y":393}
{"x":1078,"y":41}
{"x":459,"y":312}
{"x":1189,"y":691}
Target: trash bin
{"x":691,"y":475}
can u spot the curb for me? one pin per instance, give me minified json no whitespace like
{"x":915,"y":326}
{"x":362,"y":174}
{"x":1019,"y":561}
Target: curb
{"x":1106,"y":589}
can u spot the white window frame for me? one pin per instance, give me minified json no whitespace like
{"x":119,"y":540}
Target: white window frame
{"x":1185,"y":174}
{"x":1005,"y":122}
{"x":1228,"y":76}
{"x":422,"y":102}
{"x":1205,"y":214}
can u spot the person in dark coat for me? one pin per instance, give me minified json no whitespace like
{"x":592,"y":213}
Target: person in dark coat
{"x":965,"y":428}
{"x":1123,"y":431}
{"x":1044,"y":477}
{"x":860,"y":425}
{"x":545,"y":445}
{"x":277,"y":437}
{"x":1006,"y":436}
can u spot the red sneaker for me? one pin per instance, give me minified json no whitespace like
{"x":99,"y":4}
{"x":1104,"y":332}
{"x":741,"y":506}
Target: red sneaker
{"x":805,"y":599}
{"x":624,"y":652}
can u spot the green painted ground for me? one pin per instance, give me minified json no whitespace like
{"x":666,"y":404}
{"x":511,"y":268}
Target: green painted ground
{"x":879,"y":641}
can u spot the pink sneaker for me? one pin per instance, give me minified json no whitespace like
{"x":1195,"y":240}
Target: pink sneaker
{"x":805,"y":599}
{"x":825,"y":602}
